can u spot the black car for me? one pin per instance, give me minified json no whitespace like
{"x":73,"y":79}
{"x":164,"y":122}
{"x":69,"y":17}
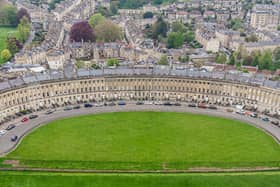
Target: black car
{"x":121,"y":103}
{"x":77,"y":107}
{"x":88,"y":105}
{"x":275,"y":123}
{"x":14,"y":138}
{"x":18,"y":114}
{"x":33,"y":116}
{"x":140,"y":103}
{"x":191,"y":105}
{"x":167,"y":104}
{"x":10,"y":127}
{"x":177,"y":104}
{"x":212,"y":107}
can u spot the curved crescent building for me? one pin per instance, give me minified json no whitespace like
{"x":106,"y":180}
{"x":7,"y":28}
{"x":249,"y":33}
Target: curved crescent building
{"x":157,"y":83}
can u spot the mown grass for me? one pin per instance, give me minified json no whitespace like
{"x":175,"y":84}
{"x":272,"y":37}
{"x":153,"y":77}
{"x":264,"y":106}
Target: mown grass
{"x":29,"y":179}
{"x":6,"y":32}
{"x":147,"y":140}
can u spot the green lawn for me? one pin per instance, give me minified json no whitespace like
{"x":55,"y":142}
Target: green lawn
{"x":4,"y":33}
{"x":20,"y":179}
{"x":147,"y":140}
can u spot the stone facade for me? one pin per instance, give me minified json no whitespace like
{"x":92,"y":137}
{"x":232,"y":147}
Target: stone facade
{"x":142,"y":84}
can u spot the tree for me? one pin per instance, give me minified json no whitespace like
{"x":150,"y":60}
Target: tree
{"x":96,"y":19}
{"x":108,"y":32}
{"x":8,"y":15}
{"x":6,"y":55}
{"x":163,"y":60}
{"x":114,"y":7}
{"x":221,"y":58}
{"x":82,"y":31}
{"x":266,"y":61}
{"x":13,"y":45}
{"x":235,"y":24}
{"x":175,"y":40}
{"x":22,"y":13}
{"x":278,"y":27}
{"x":178,"y":27}
{"x":251,"y":38}
{"x":231,"y":59}
{"x":160,"y":28}
{"x":23,"y":29}
{"x":147,"y":15}
{"x":113,"y":62}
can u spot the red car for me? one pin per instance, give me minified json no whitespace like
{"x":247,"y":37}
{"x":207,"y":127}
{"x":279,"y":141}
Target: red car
{"x":24,"y":119}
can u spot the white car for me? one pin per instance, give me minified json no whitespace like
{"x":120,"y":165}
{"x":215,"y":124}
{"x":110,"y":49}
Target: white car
{"x":98,"y":104}
{"x":2,"y":132}
{"x":148,"y":103}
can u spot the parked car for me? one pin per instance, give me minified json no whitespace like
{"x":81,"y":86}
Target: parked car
{"x":212,"y":107}
{"x":229,"y":110}
{"x":139,"y":103}
{"x":202,"y":106}
{"x":50,"y":112}
{"x":99,"y":104}
{"x":167,"y":104}
{"x":158,"y":103}
{"x":177,"y":104}
{"x":14,"y":138}
{"x":10,"y":127}
{"x":241,"y":112}
{"x":254,"y":115}
{"x":18,"y":114}
{"x":68,"y":108}
{"x":275,"y":123}
{"x":33,"y":116}
{"x":121,"y":103}
{"x":192,"y":105}
{"x":266,"y":119}
{"x":88,"y":105}
{"x":2,"y":132}
{"x":25,"y":119}
{"x":111,"y":104}
{"x":148,"y":102}
{"x":77,"y":107}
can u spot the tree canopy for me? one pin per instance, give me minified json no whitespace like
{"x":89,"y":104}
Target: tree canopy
{"x":113,"y":62}
{"x":175,"y":40}
{"x":5,"y":55}
{"x":96,"y":19}
{"x":107,"y":31}
{"x":82,"y":31}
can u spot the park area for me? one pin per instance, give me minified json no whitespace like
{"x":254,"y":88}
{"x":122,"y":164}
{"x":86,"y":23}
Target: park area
{"x":29,"y":179}
{"x":146,"y":141}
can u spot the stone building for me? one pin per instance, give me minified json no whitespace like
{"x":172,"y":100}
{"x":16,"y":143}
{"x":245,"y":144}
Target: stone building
{"x":124,"y":83}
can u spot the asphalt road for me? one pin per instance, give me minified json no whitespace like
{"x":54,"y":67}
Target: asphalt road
{"x":6,"y":145}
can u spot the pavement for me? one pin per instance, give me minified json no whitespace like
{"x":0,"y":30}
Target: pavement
{"x":22,"y":129}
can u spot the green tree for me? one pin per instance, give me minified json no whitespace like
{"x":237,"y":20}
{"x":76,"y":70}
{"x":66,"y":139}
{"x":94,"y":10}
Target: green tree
{"x":13,"y":45}
{"x":163,"y":60}
{"x":160,"y":28}
{"x":107,"y":31}
{"x":232,"y":59}
{"x":96,"y":19}
{"x":113,"y":62}
{"x":8,"y":15}
{"x":175,"y":40}
{"x":23,"y":29}
{"x":147,"y":15}
{"x":266,"y":61}
{"x":178,"y":27}
{"x":251,"y":38}
{"x":236,"y":24}
{"x":221,"y":58}
{"x":114,"y":7}
{"x":6,"y":55}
